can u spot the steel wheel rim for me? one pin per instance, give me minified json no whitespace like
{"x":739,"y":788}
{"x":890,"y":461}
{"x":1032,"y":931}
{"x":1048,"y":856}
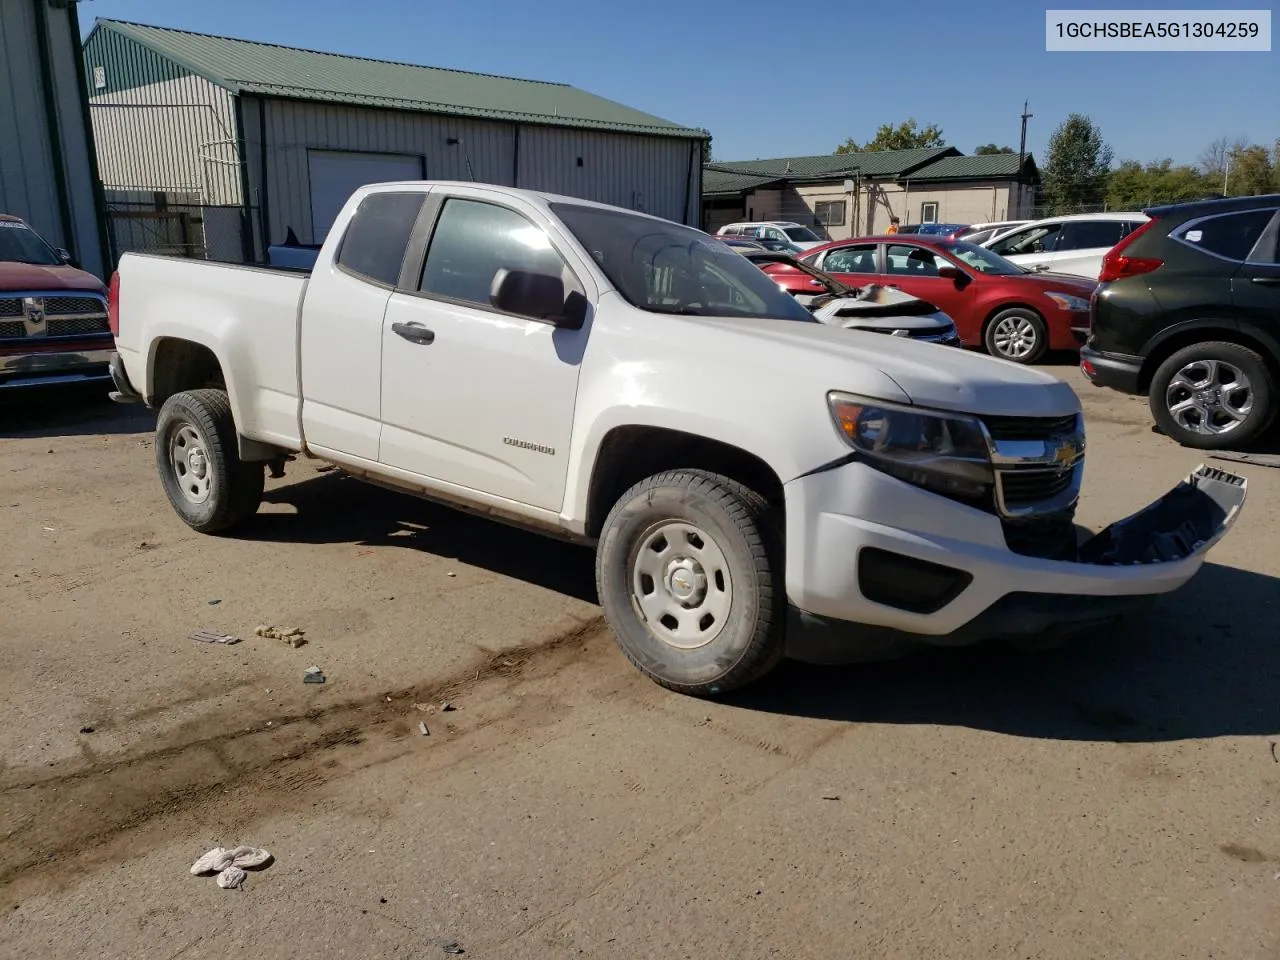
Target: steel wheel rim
{"x":189,"y":460}
{"x":1015,"y":337}
{"x":681,"y":588}
{"x":1209,"y":397}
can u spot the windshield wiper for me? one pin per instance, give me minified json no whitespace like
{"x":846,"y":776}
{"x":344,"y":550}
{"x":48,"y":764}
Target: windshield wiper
{"x":677,"y":311}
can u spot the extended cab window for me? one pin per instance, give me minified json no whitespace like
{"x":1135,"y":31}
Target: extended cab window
{"x":473,"y":240}
{"x":1088,"y":234}
{"x":1232,"y":235}
{"x":378,"y":234}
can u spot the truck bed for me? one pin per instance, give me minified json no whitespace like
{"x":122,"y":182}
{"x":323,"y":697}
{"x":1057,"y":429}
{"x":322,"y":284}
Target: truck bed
{"x":253,"y":309}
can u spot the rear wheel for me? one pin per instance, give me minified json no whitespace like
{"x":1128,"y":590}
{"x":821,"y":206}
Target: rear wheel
{"x":207,"y":483}
{"x":689,"y":573}
{"x":1213,"y":396}
{"x":1016,"y":334}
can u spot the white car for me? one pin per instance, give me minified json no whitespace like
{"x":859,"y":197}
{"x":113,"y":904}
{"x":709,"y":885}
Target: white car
{"x":1072,"y":244}
{"x":786,"y":231}
{"x":754,"y":482}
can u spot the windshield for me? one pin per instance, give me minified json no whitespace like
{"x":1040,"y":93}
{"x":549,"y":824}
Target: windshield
{"x":981,"y":259}
{"x":20,"y":244}
{"x":663,"y":267}
{"x":803,"y":234}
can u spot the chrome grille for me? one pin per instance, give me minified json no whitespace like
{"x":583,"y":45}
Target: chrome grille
{"x":1029,"y":428}
{"x":61,"y":306}
{"x":11,"y":328}
{"x":1039,"y":463}
{"x":76,"y":326}
{"x":10,"y":306}
{"x":60,"y":316}
{"x":1030,"y":486}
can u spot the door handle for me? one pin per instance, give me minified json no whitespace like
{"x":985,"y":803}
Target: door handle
{"x":414,"y":332}
{"x":1267,"y":281}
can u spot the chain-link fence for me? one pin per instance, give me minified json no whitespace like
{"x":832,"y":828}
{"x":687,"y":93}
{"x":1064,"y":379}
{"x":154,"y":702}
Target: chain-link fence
{"x":177,"y":225}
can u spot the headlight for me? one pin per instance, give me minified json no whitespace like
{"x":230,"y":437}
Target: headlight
{"x":945,"y":453}
{"x":1068,"y":302}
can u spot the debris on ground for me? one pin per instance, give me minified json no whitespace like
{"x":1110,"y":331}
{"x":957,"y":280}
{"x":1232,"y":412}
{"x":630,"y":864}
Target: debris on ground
{"x":449,"y":574}
{"x":446,"y":706}
{"x":213,"y":603}
{"x":208,"y":636}
{"x":230,"y":865}
{"x":831,"y":796}
{"x":293,"y":636}
{"x":1261,"y":459}
{"x":422,"y":728}
{"x":449,"y":946}
{"x":313,"y":675}
{"x":86,"y":729}
{"x":326,"y":468}
{"x":1273,"y":752}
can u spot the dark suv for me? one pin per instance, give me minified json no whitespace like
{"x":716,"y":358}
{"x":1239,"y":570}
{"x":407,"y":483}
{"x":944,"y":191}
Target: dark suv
{"x":1188,"y":312}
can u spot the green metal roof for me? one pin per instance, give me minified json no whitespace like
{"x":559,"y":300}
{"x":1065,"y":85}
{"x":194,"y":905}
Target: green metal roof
{"x":246,"y":66}
{"x":991,"y":166}
{"x":715,"y":182}
{"x":878,"y":163}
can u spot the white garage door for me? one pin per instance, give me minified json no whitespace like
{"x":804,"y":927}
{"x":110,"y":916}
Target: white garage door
{"x":335,"y":175}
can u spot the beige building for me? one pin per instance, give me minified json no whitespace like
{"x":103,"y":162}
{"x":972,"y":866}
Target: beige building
{"x":855,"y":194}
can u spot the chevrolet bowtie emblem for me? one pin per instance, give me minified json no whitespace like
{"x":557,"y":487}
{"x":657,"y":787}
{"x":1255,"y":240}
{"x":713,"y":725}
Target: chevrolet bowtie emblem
{"x":1064,"y":454}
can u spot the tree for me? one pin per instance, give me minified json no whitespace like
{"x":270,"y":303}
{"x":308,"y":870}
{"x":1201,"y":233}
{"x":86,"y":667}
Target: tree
{"x":989,"y":148}
{"x":1132,"y":185}
{"x":1251,"y":172}
{"x":706,"y":146}
{"x":1213,"y":159}
{"x":905,"y":136}
{"x":1076,"y":164}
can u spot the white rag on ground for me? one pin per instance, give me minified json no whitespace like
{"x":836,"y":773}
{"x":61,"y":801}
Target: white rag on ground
{"x":229,"y":865}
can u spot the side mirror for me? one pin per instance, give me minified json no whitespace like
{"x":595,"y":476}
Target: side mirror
{"x":951,"y":273}
{"x":65,"y":256}
{"x":538,"y":296}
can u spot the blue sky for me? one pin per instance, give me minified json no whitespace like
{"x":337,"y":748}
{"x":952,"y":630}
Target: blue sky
{"x":772,"y":79}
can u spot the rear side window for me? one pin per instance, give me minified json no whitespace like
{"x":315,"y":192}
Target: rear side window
{"x":1232,"y":235}
{"x":376,"y":238}
{"x":850,"y":260}
{"x":1088,"y":234}
{"x":1038,"y":239}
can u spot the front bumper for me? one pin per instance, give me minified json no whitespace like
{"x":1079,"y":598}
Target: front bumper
{"x":944,"y":574}
{"x":52,"y":363}
{"x":1117,"y":371}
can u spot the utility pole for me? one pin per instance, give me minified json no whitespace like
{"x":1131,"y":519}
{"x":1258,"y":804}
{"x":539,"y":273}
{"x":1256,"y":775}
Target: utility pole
{"x":1022,"y":150}
{"x":1226,"y":175}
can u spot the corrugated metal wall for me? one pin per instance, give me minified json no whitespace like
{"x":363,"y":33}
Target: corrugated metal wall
{"x":660,"y":175}
{"x":157,"y":126}
{"x":33,"y":157}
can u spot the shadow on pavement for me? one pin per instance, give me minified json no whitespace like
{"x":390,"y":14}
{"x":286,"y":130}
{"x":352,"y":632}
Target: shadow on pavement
{"x":80,"y":411}
{"x":1204,"y":663}
{"x":333,"y":508}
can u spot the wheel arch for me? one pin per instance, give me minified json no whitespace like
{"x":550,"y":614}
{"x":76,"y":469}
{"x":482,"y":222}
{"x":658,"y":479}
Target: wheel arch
{"x":1168,"y":342}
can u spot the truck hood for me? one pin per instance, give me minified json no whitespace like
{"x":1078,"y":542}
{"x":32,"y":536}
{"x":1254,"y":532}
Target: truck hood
{"x":19,"y":277}
{"x":931,"y":375}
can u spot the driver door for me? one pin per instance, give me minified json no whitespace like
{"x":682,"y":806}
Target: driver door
{"x":471,"y":396}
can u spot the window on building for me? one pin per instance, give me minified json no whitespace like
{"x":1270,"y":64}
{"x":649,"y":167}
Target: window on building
{"x":929,"y":212}
{"x":474,"y":240}
{"x":830,"y":213}
{"x":376,"y":238}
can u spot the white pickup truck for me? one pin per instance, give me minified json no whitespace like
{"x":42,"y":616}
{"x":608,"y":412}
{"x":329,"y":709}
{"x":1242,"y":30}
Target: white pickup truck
{"x":755,"y":482}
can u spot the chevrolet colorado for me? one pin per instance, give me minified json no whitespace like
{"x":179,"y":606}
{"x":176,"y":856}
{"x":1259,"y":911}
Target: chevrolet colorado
{"x":754,"y":482}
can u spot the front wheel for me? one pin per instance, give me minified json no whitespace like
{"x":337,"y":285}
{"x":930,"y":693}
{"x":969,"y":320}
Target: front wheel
{"x":689,"y":573}
{"x":207,"y":483}
{"x":1213,"y":396}
{"x":1016,"y":334}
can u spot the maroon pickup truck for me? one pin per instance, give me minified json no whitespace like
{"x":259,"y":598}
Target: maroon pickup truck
{"x":53,"y":316}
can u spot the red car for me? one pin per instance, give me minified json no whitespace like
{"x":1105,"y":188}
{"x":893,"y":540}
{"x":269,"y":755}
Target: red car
{"x":1013,"y":313}
{"x":53,"y":316}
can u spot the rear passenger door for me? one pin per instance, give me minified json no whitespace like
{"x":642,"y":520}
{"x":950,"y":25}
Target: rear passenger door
{"x":1083,"y":244}
{"x":1255,"y":288}
{"x":474,"y":398}
{"x":340,"y":341}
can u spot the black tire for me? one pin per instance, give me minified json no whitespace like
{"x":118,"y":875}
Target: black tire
{"x":1030,"y":325}
{"x":1249,"y":364}
{"x":749,"y":639}
{"x":201,"y":420}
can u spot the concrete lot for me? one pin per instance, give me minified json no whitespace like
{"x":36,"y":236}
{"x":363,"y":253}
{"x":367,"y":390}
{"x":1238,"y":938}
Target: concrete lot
{"x":1117,"y":798}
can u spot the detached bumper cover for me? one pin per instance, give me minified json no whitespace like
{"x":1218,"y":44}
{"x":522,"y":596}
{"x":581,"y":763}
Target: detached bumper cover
{"x":1006,"y":595}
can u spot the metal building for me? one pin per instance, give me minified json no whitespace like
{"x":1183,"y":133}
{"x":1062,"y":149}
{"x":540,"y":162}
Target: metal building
{"x":47,"y":174}
{"x":207,"y":145}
